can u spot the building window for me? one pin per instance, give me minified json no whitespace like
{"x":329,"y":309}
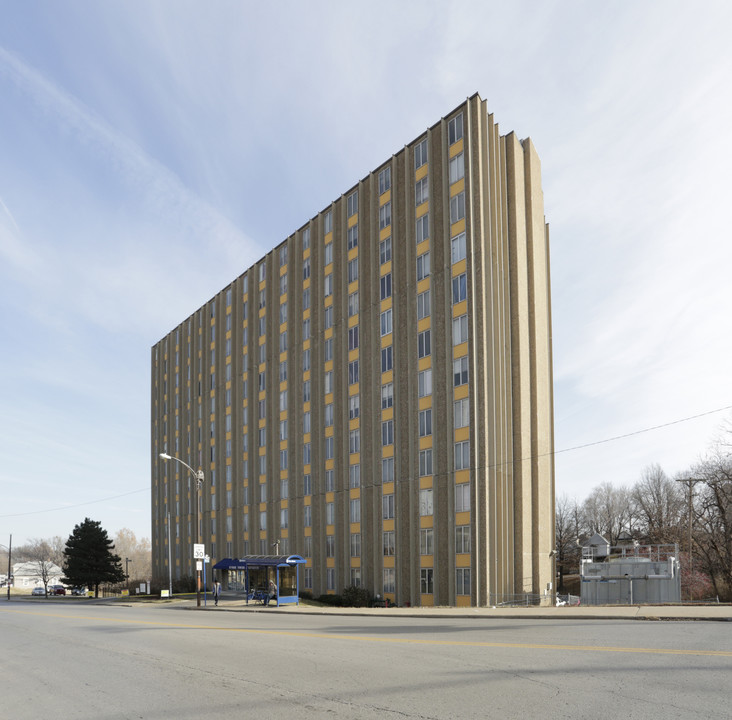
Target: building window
{"x":329,"y":481}
{"x":387,"y":358}
{"x":426,"y":541}
{"x":457,"y":168}
{"x":306,"y":238}
{"x":384,"y":180}
{"x":389,"y":580}
{"x":283,"y":341}
{"x":329,"y":415}
{"x":328,"y":222}
{"x":426,"y":584}
{"x":329,"y":448}
{"x":459,"y":288}
{"x":283,"y":284}
{"x":352,"y":203}
{"x":306,"y":329}
{"x":420,"y":154}
{"x":385,"y":215}
{"x":424,"y":343}
{"x":263,"y":520}
{"x":354,"y":475}
{"x":283,"y":401}
{"x":460,"y":330}
{"x":461,"y":413}
{"x":307,"y":485}
{"x":425,"y":462}
{"x":356,"y":576}
{"x":352,"y":237}
{"x":356,"y":545}
{"x":328,"y":285}
{"x":387,"y":433}
{"x":385,"y":251}
{"x":455,"y":129}
{"x":306,"y":391}
{"x":458,"y":248}
{"x":328,"y":382}
{"x":330,"y":549}
{"x":353,"y":304}
{"x":262,"y":272}
{"x":462,"y":455}
{"x":306,"y":360}
{"x":422,"y":190}
{"x":423,"y":305}
{"x":354,"y":441}
{"x":306,"y":453}
{"x":423,"y":266}
{"x":386,"y":322}
{"x":423,"y":228}
{"x":462,"y":497}
{"x":355,"y":510}
{"x":328,"y":349}
{"x":425,"y":502}
{"x":460,"y":371}
{"x":462,"y":539}
{"x":425,"y":422}
{"x":284,"y":518}
{"x":328,"y":317}
{"x":353,"y":338}
{"x":387,"y":396}
{"x":457,"y":207}
{"x":387,"y":470}
{"x":385,"y":286}
{"x":353,"y":372}
{"x":306,"y":268}
{"x":328,"y":256}
{"x":462,"y":581}
{"x":353,"y":270}
{"x":353,"y":407}
{"x":387,"y":506}
{"x":283,"y":430}
{"x":330,"y":514}
{"x":388,"y":543}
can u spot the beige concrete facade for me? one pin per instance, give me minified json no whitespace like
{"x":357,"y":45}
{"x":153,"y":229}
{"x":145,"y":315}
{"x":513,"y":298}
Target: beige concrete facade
{"x":376,"y":393}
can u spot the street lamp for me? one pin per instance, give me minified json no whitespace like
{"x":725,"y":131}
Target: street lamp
{"x":10,"y":556}
{"x":198,"y":477}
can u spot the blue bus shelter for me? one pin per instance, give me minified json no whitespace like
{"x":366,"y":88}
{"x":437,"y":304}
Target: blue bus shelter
{"x":286,"y":575}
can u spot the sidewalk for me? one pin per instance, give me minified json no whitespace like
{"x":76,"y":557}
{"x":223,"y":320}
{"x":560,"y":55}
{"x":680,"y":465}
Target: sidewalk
{"x":581,"y":612}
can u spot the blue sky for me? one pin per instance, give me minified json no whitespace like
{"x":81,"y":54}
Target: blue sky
{"x":151,"y":151}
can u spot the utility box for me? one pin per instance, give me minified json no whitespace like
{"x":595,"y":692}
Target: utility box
{"x":631,"y":575}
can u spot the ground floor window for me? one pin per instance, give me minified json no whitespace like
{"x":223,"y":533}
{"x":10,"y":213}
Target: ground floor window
{"x":426,"y":581}
{"x":462,"y":581}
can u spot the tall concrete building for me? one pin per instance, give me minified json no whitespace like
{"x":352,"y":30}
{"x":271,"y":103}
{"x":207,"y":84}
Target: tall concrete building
{"x":375,"y":394}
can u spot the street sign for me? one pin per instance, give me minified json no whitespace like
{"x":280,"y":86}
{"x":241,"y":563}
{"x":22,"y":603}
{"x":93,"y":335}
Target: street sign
{"x":199,"y":565}
{"x":199,"y":551}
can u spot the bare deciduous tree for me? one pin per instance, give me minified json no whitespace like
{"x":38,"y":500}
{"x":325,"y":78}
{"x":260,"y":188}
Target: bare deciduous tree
{"x":658,"y":506}
{"x":139,"y":553}
{"x":608,"y":511}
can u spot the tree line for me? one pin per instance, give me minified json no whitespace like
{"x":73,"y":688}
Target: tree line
{"x":692,"y":509}
{"x":88,"y":557}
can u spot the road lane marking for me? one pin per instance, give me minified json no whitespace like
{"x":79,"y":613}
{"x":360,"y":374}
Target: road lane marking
{"x":392,"y":640}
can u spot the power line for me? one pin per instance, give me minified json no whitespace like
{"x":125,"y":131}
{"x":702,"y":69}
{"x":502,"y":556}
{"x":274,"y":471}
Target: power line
{"x":555,"y":452}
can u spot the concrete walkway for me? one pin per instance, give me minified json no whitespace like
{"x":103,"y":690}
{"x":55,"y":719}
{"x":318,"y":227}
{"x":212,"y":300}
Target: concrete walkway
{"x":231,"y":602}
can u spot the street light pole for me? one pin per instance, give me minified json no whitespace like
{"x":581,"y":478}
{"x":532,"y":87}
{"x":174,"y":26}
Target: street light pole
{"x":198,"y":476}
{"x":10,"y":567}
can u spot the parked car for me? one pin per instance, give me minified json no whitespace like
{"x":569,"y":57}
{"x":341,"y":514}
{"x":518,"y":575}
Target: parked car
{"x":78,"y":591}
{"x":38,"y":591}
{"x":56,"y":590}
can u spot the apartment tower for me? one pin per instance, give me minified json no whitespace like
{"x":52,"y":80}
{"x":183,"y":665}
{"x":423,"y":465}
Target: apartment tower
{"x":375,"y":394}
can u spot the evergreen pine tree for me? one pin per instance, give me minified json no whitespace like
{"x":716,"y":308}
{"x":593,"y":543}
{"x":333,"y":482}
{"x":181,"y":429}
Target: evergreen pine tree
{"x":89,"y":557}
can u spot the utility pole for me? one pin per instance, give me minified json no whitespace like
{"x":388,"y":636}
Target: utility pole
{"x":690,"y":482}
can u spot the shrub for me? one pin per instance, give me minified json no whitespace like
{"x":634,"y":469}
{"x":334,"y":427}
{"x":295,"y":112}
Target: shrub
{"x":356,"y":597}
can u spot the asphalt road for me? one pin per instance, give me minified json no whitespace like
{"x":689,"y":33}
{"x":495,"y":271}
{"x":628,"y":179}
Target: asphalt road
{"x":77,"y":659}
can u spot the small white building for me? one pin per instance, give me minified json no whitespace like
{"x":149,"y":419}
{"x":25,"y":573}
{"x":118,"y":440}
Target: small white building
{"x":629,"y":574}
{"x":29,"y":575}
